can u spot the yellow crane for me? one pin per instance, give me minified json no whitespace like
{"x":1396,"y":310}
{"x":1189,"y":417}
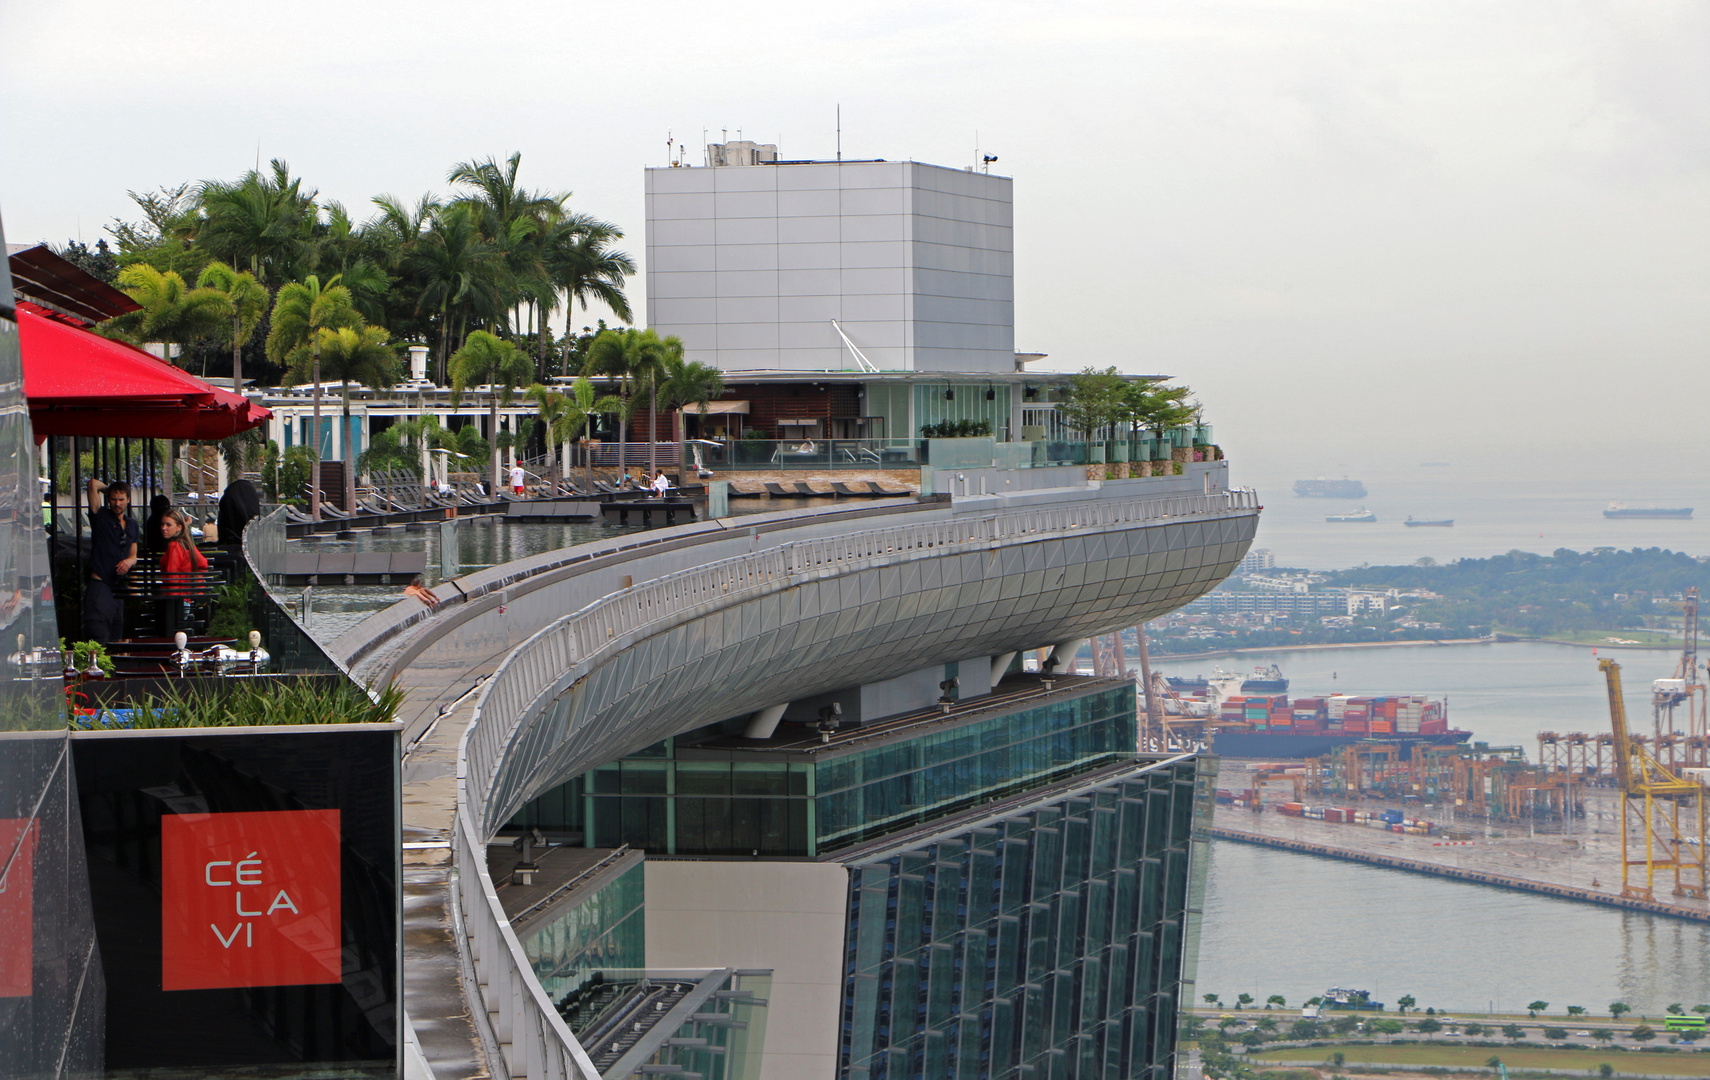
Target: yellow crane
{"x":1654,"y":802}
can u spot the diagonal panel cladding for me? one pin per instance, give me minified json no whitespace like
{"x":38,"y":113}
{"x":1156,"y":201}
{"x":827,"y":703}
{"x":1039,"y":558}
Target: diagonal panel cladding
{"x":822,"y":629}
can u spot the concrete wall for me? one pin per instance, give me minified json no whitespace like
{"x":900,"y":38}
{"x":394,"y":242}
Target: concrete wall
{"x":750,"y":264}
{"x":787,"y":916}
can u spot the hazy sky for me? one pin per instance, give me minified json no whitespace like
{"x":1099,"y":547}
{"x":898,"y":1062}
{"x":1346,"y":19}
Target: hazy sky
{"x":1402,"y":230}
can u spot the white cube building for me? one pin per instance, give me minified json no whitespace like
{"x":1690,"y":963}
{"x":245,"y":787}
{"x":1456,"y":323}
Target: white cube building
{"x":759,"y":267}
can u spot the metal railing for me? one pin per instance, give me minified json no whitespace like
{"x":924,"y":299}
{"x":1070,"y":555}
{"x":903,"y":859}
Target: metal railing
{"x":534,"y":1039}
{"x":514,"y":691}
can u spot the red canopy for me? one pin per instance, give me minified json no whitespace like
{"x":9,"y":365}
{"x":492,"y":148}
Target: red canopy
{"x":78,"y":383}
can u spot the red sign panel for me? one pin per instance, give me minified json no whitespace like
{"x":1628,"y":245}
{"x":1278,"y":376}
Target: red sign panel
{"x":17,"y":904}
{"x":249,"y":899}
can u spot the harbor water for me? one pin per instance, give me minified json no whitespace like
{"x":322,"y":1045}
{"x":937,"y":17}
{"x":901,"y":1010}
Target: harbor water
{"x":1295,"y":925}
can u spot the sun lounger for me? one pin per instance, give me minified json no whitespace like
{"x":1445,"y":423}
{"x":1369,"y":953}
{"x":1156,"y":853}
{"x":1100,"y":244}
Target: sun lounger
{"x":877,"y":489}
{"x":842,"y":488}
{"x":803,"y":488}
{"x":778,"y":490}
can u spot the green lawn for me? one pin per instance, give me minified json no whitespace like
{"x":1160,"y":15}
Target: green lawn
{"x":1624,"y":1061}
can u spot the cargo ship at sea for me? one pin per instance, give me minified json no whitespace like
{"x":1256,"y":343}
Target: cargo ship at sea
{"x":1362,"y":514}
{"x":1235,"y":723}
{"x":1323,"y":488}
{"x":1262,"y":680}
{"x":1622,"y":510}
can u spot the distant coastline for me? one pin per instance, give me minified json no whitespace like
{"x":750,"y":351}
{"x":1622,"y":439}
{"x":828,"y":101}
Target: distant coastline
{"x":1505,"y":639}
{"x":1162,"y":658}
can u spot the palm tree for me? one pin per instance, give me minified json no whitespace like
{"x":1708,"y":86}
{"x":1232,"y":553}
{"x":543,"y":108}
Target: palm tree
{"x":622,"y":355}
{"x":690,"y":383}
{"x":263,"y":222}
{"x":549,"y":406}
{"x":515,"y":221}
{"x":171,"y":312}
{"x":300,"y":311}
{"x":487,"y":358}
{"x":249,"y":301}
{"x":354,"y":354}
{"x":577,"y":411}
{"x":459,"y":273}
{"x":582,"y":264}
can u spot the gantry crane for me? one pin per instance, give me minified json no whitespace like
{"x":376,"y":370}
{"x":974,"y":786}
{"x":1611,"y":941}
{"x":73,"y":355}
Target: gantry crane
{"x":1654,"y":802}
{"x":1682,"y":746}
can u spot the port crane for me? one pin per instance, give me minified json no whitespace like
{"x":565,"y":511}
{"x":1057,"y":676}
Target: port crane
{"x":1654,"y":805}
{"x":1682,"y":746}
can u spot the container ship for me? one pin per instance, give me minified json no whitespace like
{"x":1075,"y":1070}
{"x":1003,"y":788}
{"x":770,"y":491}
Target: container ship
{"x":1269,"y":725}
{"x":1330,"y":489}
{"x":1621,"y":510}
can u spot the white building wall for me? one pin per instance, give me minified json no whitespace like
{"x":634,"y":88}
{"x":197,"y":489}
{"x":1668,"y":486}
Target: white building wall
{"x":787,"y":916}
{"x":749,"y":265}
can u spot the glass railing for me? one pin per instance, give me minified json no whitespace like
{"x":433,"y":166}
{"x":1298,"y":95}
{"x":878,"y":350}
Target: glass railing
{"x":979,"y":452}
{"x":291,"y":647}
{"x":803,"y":454}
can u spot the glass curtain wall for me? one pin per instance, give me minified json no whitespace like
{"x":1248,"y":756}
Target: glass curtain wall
{"x":672,"y":799}
{"x":1044,"y":943}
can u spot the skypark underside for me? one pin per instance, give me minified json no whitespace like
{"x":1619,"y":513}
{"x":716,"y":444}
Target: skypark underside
{"x":580,"y":698}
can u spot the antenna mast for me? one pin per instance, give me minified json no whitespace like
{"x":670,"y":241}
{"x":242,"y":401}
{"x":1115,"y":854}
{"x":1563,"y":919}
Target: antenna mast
{"x":840,"y":131}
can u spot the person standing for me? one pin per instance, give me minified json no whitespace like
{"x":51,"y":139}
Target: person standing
{"x":112,"y":553}
{"x":176,"y":563}
{"x":518,"y":480}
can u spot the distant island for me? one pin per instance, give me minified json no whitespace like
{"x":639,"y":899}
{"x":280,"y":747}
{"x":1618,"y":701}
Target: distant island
{"x":1603,"y":596}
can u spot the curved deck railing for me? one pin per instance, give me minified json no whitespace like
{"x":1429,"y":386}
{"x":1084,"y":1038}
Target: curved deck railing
{"x":525,"y":677}
{"x":537,"y":1042}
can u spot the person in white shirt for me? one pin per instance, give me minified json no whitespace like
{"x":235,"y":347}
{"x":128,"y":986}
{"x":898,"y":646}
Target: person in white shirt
{"x":518,"y":477}
{"x":661,"y":485}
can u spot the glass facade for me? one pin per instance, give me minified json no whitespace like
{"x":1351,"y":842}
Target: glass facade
{"x":606,"y":929}
{"x":1048,"y":942}
{"x":683,"y":800}
{"x":52,"y":993}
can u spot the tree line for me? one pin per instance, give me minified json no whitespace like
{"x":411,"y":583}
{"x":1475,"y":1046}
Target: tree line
{"x":492,"y":255}
{"x":265,"y":272}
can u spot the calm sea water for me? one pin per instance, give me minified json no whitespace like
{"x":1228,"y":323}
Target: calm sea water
{"x":1279,"y":923}
{"x":1493,"y":514}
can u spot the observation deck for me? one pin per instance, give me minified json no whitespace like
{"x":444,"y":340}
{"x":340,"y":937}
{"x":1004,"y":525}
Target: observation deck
{"x":539,"y":670}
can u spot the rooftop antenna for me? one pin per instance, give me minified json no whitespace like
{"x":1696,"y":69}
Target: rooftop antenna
{"x":840,"y":131}
{"x":669,"y":142}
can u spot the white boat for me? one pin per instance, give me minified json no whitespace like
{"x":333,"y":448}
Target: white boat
{"x":1362,"y":514}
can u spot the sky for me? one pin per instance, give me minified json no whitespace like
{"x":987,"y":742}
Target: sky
{"x":1368,"y":234}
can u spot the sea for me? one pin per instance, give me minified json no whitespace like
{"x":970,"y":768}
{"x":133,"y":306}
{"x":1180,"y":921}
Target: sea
{"x":1281,"y":923}
{"x":1494,"y":512}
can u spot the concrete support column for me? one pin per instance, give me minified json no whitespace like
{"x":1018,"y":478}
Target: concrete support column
{"x":1000,"y":664}
{"x":763,"y":723}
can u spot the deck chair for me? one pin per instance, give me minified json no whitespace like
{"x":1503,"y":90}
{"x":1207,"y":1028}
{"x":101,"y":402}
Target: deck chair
{"x":877,"y":489}
{"x":778,"y":490}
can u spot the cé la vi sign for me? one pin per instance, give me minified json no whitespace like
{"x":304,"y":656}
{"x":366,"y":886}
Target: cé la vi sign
{"x":250,"y":899}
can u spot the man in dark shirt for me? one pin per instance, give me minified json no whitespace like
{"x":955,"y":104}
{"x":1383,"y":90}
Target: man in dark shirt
{"x":113,"y":551}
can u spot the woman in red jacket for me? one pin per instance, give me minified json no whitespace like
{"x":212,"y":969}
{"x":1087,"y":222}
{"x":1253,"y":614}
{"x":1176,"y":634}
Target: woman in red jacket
{"x":177,"y":560}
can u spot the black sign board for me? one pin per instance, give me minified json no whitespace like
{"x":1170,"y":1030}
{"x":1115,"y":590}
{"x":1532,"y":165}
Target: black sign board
{"x":246,"y":893}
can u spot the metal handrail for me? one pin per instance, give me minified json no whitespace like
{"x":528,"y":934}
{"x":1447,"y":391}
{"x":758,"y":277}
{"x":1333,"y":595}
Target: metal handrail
{"x":534,"y":1039}
{"x":516,"y":687}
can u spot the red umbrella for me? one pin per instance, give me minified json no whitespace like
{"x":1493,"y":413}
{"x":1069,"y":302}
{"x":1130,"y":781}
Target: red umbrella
{"x":78,"y":383}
